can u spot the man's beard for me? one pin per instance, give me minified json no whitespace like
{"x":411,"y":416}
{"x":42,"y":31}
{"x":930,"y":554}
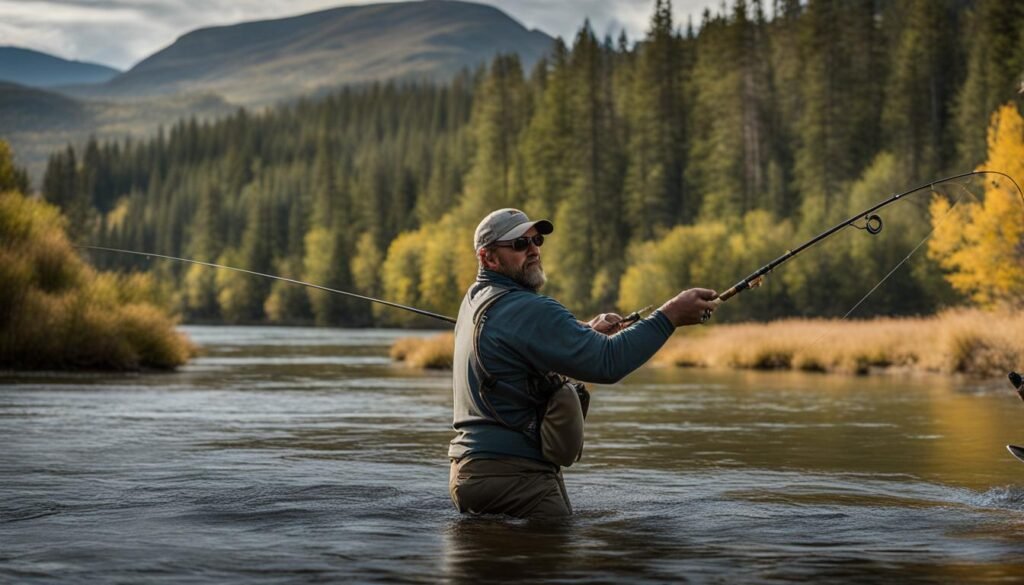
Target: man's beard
{"x":529,"y":275}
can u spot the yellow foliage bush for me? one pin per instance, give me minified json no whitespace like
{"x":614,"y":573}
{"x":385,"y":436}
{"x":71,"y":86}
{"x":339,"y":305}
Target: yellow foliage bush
{"x":56,"y":312}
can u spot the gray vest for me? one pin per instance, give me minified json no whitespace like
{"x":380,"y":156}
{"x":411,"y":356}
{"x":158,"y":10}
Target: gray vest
{"x":479,"y":397}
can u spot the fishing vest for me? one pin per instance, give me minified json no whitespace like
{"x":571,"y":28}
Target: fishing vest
{"x":551,"y":410}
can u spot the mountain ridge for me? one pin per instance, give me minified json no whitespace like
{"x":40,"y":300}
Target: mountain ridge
{"x":28,"y":67}
{"x":265,"y":61}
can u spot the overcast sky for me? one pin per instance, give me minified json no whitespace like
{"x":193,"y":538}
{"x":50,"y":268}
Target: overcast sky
{"x":120,"y":33}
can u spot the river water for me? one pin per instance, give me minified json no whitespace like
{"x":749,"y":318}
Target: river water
{"x":287,"y":455}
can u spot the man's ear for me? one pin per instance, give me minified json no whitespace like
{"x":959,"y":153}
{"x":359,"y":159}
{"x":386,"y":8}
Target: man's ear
{"x":488,"y":258}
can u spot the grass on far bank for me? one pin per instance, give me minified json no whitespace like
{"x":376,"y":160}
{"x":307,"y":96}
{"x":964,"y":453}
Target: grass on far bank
{"x":960,"y":341}
{"x":431,"y":353}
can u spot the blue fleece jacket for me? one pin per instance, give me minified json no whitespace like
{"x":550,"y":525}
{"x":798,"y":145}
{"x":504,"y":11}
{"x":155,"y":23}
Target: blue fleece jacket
{"x":527,"y":332}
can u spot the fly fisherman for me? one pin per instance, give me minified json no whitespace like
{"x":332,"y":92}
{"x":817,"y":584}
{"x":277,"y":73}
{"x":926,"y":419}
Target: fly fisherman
{"x":517,"y":418}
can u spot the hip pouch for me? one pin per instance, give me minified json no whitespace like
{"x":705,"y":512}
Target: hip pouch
{"x":562,"y":419}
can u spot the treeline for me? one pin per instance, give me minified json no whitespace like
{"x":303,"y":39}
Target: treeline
{"x":686,"y":159}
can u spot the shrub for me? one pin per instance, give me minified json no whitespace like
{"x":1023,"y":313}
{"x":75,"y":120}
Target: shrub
{"x":57,"y":312}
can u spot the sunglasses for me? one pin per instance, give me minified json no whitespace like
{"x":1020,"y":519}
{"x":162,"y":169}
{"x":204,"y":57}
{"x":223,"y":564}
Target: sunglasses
{"x":521,"y":244}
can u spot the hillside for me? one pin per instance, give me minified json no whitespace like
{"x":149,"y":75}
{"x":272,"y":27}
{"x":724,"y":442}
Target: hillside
{"x":25,"y":109}
{"x":37,"y":122}
{"x":35,"y":69}
{"x":256,"y":63}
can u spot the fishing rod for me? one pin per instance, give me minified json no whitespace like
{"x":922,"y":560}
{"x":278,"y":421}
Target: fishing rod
{"x":872,"y":224}
{"x":274,"y":277}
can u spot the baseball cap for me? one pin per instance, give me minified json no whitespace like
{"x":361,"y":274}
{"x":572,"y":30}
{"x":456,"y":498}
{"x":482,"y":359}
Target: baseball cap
{"x":507,"y":224}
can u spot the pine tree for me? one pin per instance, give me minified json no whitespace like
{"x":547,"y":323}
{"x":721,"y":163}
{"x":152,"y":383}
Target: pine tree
{"x":547,"y":143}
{"x":919,"y":87}
{"x":655,"y":197}
{"x":995,"y":72}
{"x":63,"y":187}
{"x":841,"y":100}
{"x":499,"y":115}
{"x":589,"y":238}
{"x":731,"y":158}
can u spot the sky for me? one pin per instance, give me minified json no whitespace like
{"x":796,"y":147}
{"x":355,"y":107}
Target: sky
{"x":120,"y":33}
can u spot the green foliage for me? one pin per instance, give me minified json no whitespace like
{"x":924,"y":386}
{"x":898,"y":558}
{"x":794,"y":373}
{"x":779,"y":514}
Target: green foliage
{"x":500,"y":113}
{"x":317,"y":264}
{"x":840,"y":94}
{"x":709,"y":252}
{"x":287,"y":303}
{"x":687,"y":159}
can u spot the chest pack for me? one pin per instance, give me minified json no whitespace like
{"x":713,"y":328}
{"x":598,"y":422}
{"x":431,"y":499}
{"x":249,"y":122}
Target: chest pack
{"x":560,"y":405}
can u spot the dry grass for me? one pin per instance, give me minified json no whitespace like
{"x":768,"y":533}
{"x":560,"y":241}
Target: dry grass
{"x":432,"y":353}
{"x":961,"y":341}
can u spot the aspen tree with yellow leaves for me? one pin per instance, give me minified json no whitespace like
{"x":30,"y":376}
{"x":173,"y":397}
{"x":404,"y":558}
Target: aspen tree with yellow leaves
{"x":981,"y":244}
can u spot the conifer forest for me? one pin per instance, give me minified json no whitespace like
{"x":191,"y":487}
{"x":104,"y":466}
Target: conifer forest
{"x":688,"y":157}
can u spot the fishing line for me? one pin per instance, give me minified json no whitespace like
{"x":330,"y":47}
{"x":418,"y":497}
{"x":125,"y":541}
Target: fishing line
{"x":907,"y":257}
{"x":274,"y":277}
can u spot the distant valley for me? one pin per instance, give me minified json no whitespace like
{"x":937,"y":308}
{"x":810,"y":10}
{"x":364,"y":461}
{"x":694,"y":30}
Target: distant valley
{"x":211,"y":71}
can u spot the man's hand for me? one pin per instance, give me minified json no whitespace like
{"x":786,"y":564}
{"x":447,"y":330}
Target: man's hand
{"x":687,"y":307}
{"x":607,"y":323}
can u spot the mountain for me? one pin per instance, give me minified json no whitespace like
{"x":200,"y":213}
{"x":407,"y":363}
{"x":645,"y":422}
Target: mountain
{"x":35,"y":69}
{"x":260,"y":62}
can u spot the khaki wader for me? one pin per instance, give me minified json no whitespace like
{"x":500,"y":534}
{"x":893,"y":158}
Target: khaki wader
{"x":519,"y":487}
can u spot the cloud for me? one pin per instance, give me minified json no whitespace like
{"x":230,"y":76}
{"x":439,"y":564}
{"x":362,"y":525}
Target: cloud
{"x":120,"y":33}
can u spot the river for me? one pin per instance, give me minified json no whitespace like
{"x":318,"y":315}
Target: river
{"x":291,"y":455}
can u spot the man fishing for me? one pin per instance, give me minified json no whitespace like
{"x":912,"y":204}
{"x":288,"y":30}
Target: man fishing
{"x":517,"y":418}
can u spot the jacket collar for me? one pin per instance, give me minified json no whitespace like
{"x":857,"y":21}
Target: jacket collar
{"x":491,"y":278}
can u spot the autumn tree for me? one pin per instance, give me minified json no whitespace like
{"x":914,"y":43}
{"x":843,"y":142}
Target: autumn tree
{"x":981,"y":244}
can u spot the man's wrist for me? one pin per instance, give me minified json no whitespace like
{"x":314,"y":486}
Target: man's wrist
{"x":663,"y":323}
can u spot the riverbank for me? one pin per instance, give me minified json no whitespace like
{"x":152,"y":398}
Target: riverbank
{"x":963,"y":341}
